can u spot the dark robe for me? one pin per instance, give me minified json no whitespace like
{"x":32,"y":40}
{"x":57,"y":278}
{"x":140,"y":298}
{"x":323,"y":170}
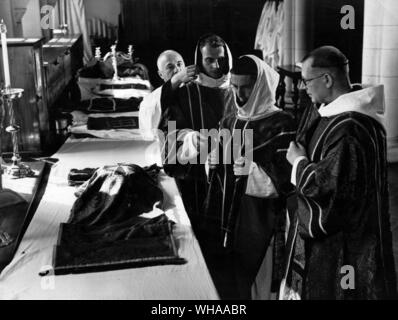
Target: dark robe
{"x":192,"y":107}
{"x":339,"y":216}
{"x":254,"y":220}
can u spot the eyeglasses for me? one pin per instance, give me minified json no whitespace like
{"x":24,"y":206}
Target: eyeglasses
{"x":306,"y":81}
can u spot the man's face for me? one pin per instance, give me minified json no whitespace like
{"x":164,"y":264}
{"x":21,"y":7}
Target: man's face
{"x":169,"y":65}
{"x":213,"y":61}
{"x":243,"y":87}
{"x":315,"y":82}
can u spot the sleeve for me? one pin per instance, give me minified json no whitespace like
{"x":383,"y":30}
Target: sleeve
{"x":259,"y":184}
{"x":189,"y":148}
{"x":272,"y":157}
{"x":149,"y":115}
{"x":168,"y":97}
{"x":174,"y":139}
{"x":328,"y":191}
{"x":294,"y":169}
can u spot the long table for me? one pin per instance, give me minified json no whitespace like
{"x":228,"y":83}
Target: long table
{"x":21,"y":279}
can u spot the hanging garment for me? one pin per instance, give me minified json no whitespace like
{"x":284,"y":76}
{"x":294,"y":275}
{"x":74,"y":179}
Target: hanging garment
{"x":76,"y":21}
{"x":270,"y":31}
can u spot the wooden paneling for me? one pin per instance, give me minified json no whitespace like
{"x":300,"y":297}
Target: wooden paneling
{"x":44,"y":71}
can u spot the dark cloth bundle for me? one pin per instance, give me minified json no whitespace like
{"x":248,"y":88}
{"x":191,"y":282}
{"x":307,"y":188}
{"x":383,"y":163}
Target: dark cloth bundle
{"x":104,"y":105}
{"x":138,"y":86}
{"x":77,"y":177}
{"x":109,"y":123}
{"x":97,"y":70}
{"x":105,"y":230}
{"x":104,"y":70}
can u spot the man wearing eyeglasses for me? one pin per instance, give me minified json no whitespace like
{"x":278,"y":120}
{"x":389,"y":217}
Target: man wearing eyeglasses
{"x":339,"y":239}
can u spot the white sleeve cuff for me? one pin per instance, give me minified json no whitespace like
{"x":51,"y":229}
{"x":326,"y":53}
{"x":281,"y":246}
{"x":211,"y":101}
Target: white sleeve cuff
{"x":189,"y":146}
{"x":294,"y":170}
{"x":259,"y":184}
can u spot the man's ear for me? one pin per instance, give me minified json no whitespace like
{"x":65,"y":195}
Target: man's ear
{"x":329,"y":81}
{"x":160,"y":74}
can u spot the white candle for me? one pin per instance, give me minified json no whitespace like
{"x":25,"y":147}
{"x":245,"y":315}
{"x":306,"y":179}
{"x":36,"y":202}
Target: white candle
{"x":6,"y":66}
{"x":114,"y":62}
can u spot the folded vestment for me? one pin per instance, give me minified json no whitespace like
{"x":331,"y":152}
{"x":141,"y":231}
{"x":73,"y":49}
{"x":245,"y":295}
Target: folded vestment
{"x":104,"y":105}
{"x":122,"y":86}
{"x":105,"y":230}
{"x":142,"y":242}
{"x":109,"y":123}
{"x":77,"y":177}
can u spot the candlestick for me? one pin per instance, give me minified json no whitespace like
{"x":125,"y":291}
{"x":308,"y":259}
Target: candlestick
{"x":98,"y":53}
{"x":6,"y":66}
{"x":17,"y":169}
{"x":131,"y":52}
{"x":114,"y":62}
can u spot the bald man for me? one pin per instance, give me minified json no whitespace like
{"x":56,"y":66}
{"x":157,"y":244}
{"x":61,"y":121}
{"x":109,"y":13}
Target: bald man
{"x":169,"y":63}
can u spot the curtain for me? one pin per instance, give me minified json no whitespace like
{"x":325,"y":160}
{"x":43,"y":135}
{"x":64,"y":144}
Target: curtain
{"x":153,"y":26}
{"x":76,"y":21}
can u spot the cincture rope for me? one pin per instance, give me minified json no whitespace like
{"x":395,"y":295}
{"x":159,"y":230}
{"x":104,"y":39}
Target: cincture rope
{"x":225,"y":167}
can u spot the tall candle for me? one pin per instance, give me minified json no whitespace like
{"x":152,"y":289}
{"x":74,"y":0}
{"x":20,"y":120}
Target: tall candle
{"x":6,"y":66}
{"x":114,"y":62}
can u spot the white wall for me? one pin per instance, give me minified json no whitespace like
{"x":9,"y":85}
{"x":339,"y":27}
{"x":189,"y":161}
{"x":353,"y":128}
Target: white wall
{"x":106,"y":10}
{"x":380,"y":61}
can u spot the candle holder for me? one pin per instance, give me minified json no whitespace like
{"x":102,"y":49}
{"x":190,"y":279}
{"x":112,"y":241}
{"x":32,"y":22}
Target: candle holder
{"x":114,"y":62}
{"x":18,"y":169}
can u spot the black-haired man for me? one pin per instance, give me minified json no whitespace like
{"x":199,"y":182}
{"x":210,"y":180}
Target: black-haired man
{"x":249,"y":195}
{"x":195,"y":99}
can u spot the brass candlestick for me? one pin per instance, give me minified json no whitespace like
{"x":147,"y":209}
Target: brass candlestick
{"x":18,"y":169}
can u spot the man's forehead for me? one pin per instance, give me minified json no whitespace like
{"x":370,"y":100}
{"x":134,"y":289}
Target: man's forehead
{"x":209,"y":51}
{"x":169,"y":59}
{"x":242,"y":79}
{"x":307,"y":68}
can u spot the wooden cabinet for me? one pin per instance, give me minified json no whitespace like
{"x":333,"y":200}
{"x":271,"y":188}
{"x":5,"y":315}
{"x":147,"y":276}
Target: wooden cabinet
{"x":44,"y":71}
{"x":26,"y":70}
{"x":63,"y":56}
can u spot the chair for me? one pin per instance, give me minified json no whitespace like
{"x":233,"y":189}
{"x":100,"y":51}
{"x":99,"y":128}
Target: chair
{"x":293,"y":72}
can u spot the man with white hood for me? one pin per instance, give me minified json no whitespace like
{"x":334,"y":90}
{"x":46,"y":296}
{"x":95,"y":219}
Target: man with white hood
{"x":339,"y":241}
{"x":196,"y":102}
{"x":249,"y":196}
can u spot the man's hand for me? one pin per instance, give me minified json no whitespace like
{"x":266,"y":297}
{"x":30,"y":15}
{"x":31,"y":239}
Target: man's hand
{"x":200,"y":140}
{"x":186,"y":75}
{"x":242,"y":167}
{"x":295,"y":150}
